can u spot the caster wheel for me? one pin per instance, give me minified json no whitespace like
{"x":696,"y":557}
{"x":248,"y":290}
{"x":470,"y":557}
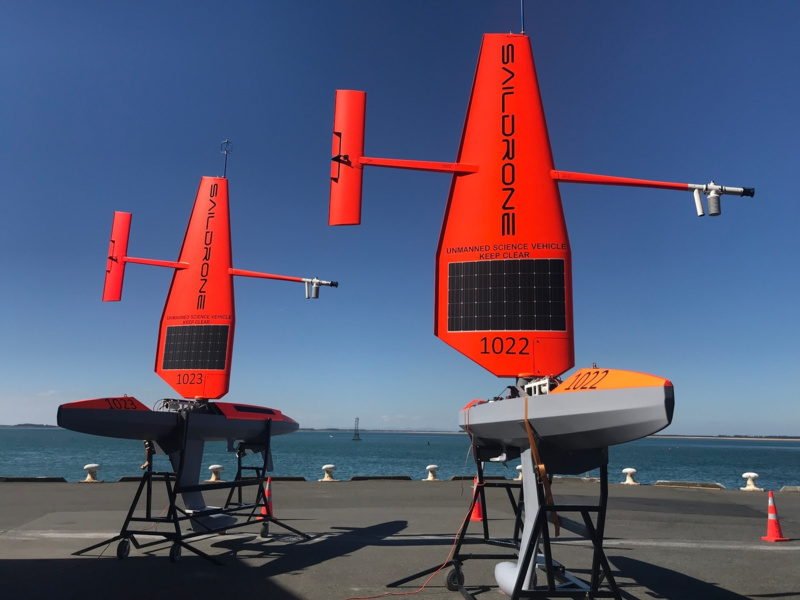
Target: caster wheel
{"x":264,"y":530}
{"x":455,"y":580}
{"x":175,"y":553}
{"x":123,"y":548}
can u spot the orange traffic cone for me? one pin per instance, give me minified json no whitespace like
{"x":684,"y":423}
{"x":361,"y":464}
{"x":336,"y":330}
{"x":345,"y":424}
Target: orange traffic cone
{"x":266,"y":510}
{"x":477,"y":508}
{"x":774,"y":533}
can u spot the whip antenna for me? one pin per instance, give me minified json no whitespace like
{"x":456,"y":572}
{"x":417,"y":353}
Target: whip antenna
{"x":226,"y":147}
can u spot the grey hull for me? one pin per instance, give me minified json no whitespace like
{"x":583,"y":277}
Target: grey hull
{"x":573,"y":420}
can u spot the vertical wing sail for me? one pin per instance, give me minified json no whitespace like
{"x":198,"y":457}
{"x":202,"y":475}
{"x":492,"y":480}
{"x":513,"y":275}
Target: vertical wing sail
{"x":117,"y":254}
{"x":195,"y":339}
{"x":503,"y":264}
{"x":348,"y":149}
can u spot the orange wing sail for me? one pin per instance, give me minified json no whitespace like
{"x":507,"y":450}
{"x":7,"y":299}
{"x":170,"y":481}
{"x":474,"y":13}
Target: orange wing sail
{"x":195,"y":338}
{"x":503,"y":264}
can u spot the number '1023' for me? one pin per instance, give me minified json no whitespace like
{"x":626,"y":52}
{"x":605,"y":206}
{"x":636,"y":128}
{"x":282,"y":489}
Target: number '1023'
{"x":189,"y":378}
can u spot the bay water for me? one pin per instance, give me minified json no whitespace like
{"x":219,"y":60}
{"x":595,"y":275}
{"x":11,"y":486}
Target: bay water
{"x":53,"y":452}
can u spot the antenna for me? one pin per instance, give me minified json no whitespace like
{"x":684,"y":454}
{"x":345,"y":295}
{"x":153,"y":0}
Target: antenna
{"x":226,"y":147}
{"x":522,"y":14}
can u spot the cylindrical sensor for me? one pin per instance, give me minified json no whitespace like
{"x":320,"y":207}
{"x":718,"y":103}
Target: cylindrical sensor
{"x":698,"y":202}
{"x":714,"y":207}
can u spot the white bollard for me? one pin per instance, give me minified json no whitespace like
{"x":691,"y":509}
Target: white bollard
{"x":329,"y":469}
{"x":750,"y":486}
{"x":91,"y":473}
{"x":629,"y":473}
{"x":215,"y":473}
{"x":432,"y":469}
{"x":519,"y":477}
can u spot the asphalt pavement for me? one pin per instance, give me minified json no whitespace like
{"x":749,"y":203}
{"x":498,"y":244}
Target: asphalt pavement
{"x":660,"y":542}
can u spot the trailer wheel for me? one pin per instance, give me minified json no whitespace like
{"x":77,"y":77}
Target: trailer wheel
{"x":123,"y":548}
{"x":455,"y":580}
{"x":175,"y":552}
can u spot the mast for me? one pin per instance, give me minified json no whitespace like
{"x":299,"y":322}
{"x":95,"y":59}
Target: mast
{"x":356,"y":436}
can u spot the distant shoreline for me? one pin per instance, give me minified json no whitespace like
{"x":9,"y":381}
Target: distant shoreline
{"x":755,"y":438}
{"x":362,"y":431}
{"x":662,"y":436}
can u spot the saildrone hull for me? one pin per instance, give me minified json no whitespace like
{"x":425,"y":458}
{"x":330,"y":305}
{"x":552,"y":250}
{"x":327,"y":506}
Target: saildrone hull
{"x":128,"y":418}
{"x":618,"y":407}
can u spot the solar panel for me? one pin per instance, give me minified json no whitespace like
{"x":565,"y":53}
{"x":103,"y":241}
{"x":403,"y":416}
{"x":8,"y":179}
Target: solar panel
{"x":507,"y":295}
{"x":196,"y":347}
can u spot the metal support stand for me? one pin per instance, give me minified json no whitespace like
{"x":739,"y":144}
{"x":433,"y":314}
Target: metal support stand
{"x":559,"y":583}
{"x":174,"y":517}
{"x":535,"y":540}
{"x":455,"y":578}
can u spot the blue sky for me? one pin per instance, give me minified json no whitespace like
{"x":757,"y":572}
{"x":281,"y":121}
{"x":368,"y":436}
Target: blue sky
{"x":121,"y":106}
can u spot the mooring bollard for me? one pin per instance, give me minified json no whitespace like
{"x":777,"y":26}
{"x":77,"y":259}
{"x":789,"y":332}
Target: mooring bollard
{"x":519,"y":477}
{"x":629,"y":473}
{"x":329,"y":469}
{"x":215,"y":473}
{"x":91,"y":473}
{"x":432,"y":469}
{"x":750,"y":486}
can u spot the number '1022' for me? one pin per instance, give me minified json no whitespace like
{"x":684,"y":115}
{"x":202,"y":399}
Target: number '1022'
{"x":504,"y":345}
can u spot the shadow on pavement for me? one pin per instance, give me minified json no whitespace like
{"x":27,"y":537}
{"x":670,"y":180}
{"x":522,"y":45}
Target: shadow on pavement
{"x":139,"y":577}
{"x":666,"y":583}
{"x":302,"y":555}
{"x":150,"y":575}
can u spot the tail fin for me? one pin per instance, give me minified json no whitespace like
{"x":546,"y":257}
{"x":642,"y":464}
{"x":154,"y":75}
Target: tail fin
{"x":117,"y":253}
{"x":348,"y":148}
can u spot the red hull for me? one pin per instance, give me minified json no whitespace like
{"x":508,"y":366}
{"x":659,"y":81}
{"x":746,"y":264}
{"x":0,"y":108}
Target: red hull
{"x":128,"y":418}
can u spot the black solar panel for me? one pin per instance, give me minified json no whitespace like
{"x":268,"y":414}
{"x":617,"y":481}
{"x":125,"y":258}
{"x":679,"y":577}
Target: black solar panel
{"x":196,"y":347}
{"x":507,"y":295}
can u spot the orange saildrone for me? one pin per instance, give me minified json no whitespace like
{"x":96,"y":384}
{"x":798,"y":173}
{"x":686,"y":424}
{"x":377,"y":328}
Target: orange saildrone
{"x":193,"y":355}
{"x":503,"y":293}
{"x":195,"y":338}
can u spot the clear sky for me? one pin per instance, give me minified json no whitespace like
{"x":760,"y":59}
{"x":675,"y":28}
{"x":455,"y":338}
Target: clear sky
{"x":122,"y":105}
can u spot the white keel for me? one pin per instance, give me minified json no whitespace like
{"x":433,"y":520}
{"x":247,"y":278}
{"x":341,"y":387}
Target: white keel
{"x":506,"y":573}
